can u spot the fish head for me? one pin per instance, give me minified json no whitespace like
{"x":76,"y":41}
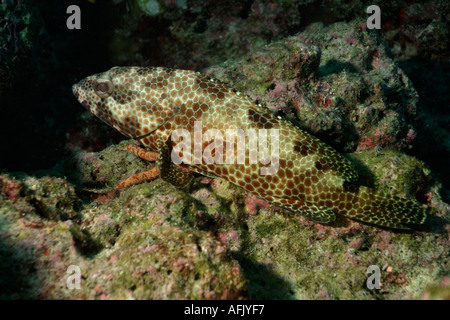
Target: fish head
{"x":123,"y":98}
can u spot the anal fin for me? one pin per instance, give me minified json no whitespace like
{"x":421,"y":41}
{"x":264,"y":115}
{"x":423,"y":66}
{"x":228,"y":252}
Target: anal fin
{"x":169,"y":171}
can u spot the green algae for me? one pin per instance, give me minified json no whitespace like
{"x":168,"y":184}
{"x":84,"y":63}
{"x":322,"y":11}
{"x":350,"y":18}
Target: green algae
{"x":149,"y":7}
{"x":154,"y":241}
{"x":391,"y":171}
{"x":136,"y":241}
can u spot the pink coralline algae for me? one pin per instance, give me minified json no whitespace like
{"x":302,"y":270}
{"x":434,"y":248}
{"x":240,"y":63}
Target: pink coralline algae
{"x":379,"y":139}
{"x":254,"y":204}
{"x":10,"y":189}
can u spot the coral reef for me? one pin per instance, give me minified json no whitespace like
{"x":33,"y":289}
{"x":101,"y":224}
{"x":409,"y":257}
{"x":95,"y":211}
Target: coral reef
{"x":380,"y":97}
{"x":154,"y":241}
{"x":350,"y":96}
{"x":142,"y":240}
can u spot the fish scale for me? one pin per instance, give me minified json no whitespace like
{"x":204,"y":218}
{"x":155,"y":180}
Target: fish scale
{"x":149,"y":103}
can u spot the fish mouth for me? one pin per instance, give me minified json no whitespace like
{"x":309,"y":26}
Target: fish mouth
{"x":75,"y":90}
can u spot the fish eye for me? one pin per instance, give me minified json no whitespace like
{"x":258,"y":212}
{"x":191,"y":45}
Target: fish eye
{"x":104,"y":86}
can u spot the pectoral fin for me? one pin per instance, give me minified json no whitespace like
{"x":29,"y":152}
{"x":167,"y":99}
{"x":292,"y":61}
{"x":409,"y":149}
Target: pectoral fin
{"x":171,"y":172}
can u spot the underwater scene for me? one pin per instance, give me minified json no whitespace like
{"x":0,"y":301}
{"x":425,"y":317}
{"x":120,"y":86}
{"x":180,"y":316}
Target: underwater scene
{"x":232,"y":150}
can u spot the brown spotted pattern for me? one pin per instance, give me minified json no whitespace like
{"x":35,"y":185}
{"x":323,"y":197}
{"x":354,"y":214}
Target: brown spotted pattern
{"x":148,"y":104}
